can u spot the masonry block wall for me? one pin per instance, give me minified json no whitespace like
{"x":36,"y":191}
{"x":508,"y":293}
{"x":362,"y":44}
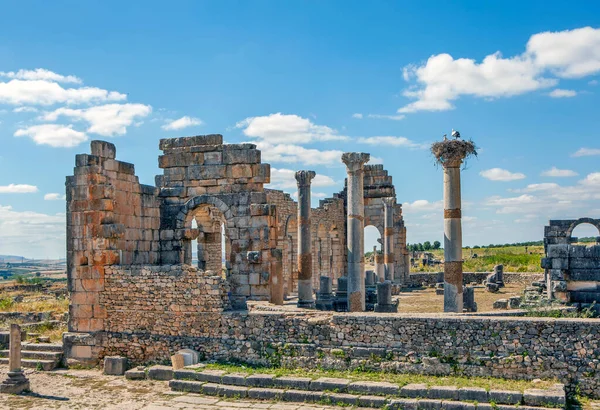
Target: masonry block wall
{"x":572,"y":271}
{"x":111,"y":219}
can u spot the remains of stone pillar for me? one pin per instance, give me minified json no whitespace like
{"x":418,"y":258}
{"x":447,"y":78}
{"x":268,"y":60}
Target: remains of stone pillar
{"x":16,"y":381}
{"x":325,"y":294}
{"x":355,"y":162}
{"x":384,"y":298}
{"x":341,"y":295}
{"x":388,"y":237}
{"x":305,"y":291}
{"x":276,"y":278}
{"x":499,"y":275}
{"x":379,"y":267}
{"x":469,"y":303}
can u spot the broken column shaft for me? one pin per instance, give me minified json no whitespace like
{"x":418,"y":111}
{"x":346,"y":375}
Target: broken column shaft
{"x":305,"y":291}
{"x":355,"y":229}
{"x":388,"y":237}
{"x":453,"y":269}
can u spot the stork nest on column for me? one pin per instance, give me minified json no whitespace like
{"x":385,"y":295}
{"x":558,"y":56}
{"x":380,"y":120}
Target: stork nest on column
{"x":453,"y":150}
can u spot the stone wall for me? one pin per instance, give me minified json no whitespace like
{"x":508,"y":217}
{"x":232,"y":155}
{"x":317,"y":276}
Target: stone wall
{"x":431,"y":278}
{"x":111,"y":219}
{"x":516,"y":348}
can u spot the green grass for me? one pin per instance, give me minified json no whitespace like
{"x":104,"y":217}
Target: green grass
{"x":400,"y":379}
{"x":514,"y":259}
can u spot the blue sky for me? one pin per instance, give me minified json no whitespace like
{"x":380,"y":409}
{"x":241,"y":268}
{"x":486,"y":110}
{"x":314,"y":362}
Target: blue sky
{"x":306,"y":81}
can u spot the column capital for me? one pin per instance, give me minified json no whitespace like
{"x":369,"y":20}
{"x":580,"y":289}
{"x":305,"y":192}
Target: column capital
{"x":303,"y":178}
{"x":454,"y":163}
{"x":389,"y":201}
{"x":355,"y":160}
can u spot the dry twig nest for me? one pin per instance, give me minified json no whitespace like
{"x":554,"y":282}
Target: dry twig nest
{"x":452,"y":150}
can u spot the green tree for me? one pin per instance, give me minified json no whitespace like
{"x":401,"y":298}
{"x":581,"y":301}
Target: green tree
{"x":436,"y":245}
{"x":427,"y":245}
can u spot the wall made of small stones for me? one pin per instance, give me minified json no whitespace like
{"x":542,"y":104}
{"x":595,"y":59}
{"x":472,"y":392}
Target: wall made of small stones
{"x":523,"y":348}
{"x":160,"y":299}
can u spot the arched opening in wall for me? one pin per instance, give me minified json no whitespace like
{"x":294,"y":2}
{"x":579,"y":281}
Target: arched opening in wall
{"x":373,"y":250}
{"x":211,"y":246}
{"x":336,"y":255}
{"x":585,"y":234}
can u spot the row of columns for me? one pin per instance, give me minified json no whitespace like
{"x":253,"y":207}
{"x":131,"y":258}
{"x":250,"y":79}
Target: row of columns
{"x":354,"y":162}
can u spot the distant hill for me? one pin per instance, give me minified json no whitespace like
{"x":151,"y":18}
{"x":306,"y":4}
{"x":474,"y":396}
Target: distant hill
{"x":12,"y":258}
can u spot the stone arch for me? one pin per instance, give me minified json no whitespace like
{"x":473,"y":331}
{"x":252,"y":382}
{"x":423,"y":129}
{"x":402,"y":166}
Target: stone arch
{"x":580,"y":221}
{"x":210,"y":215}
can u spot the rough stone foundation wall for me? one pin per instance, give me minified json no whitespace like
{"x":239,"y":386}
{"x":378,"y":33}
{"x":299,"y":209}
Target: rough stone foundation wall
{"x":523,"y":348}
{"x":431,"y":278}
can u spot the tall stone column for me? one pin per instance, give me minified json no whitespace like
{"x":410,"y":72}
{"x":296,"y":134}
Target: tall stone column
{"x":305,"y":291}
{"x":453,"y":265}
{"x":355,"y":162}
{"x":388,"y":237}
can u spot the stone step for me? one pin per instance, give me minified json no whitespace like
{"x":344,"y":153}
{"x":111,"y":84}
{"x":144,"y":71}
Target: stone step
{"x":27,"y":354}
{"x":555,"y":397}
{"x":46,"y":365}
{"x":323,"y":397}
{"x":43,"y":347}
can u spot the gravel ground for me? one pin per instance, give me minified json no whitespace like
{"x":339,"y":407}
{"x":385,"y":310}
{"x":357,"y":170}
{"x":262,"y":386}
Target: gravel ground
{"x":90,"y":389}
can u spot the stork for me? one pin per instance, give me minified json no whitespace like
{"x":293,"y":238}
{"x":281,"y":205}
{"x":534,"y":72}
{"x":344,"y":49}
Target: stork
{"x":455,"y":134}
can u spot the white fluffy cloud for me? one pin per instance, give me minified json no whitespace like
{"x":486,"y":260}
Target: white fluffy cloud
{"x":107,"y":120}
{"x":499,"y":174}
{"x":54,"y":197}
{"x":357,"y":115}
{"x":282,"y":178}
{"x":41,"y":74}
{"x":548,"y":57}
{"x":586,"y":152}
{"x":55,"y":135}
{"x":43,"y":92}
{"x":555,"y":172}
{"x":422,"y":205}
{"x":25,"y":109}
{"x":298,"y":154}
{"x":396,"y":117}
{"x":18,"y":189}
{"x":561,"y":93}
{"x":183,"y":122}
{"x":287,"y":129}
{"x":393,"y":141}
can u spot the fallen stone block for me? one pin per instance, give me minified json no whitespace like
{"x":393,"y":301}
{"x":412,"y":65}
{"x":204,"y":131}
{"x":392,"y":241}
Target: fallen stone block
{"x":378,"y":388}
{"x":414,"y":391}
{"x":177,"y":361}
{"x":477,"y":394}
{"x":160,"y":372}
{"x":500,"y":304}
{"x":115,"y":365}
{"x":135,"y":374}
{"x":190,"y":357}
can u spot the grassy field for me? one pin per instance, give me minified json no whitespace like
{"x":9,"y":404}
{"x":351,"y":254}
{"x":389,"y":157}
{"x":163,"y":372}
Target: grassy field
{"x":514,"y":259}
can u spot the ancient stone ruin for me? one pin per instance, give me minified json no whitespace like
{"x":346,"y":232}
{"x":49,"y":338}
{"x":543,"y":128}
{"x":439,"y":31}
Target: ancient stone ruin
{"x":572,"y":272}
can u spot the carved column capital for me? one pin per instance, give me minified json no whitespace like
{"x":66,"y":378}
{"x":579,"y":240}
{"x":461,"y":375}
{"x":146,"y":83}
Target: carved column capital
{"x":304,"y":178}
{"x":355,"y":160}
{"x":389,"y":201}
